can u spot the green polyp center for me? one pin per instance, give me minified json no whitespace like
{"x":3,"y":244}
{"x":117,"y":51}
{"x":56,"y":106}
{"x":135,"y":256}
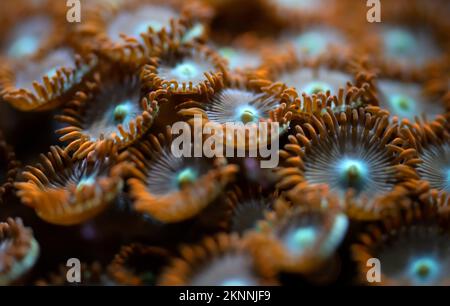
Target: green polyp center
{"x":304,"y":236}
{"x":403,"y":105}
{"x":424,"y":269}
{"x":143,"y":27}
{"x":196,"y":31}
{"x":88,"y":181}
{"x":21,"y":266}
{"x":316,"y":41}
{"x":51,"y":72}
{"x":300,"y":239}
{"x":247,"y":114}
{"x":400,"y":41}
{"x":352,"y":173}
{"x":311,"y":42}
{"x":228,"y":53}
{"x":186,"y":177}
{"x":24,"y":46}
{"x":235,"y":282}
{"x":314,"y":88}
{"x":120,"y":112}
{"x":186,"y":70}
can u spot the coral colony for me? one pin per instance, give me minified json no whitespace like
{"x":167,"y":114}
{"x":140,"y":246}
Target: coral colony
{"x":229,"y":143}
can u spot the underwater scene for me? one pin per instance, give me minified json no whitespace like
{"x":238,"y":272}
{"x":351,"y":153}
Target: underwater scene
{"x":224,"y":142}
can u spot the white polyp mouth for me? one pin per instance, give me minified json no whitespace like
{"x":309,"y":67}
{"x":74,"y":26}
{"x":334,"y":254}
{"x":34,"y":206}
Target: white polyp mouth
{"x":122,"y":111}
{"x":186,"y":70}
{"x":186,"y":176}
{"x":134,"y":23}
{"x":317,"y":87}
{"x":301,"y":239}
{"x":24,"y":46}
{"x":399,"y":41}
{"x":424,"y":269}
{"x":86,"y":182}
{"x":352,"y":173}
{"x":247,"y":113}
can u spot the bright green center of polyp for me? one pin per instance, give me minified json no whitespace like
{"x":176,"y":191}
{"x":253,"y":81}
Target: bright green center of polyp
{"x":24,"y":46}
{"x":186,"y":70}
{"x":352,"y":173}
{"x":235,"y":282}
{"x":300,"y":239}
{"x":88,"y":181}
{"x":120,"y":112}
{"x":52,"y":72}
{"x":424,"y":270}
{"x":247,"y":114}
{"x":196,"y":31}
{"x":143,"y":27}
{"x":399,"y":41}
{"x":227,"y":52}
{"x":314,"y":88}
{"x":403,"y":105}
{"x":186,"y":177}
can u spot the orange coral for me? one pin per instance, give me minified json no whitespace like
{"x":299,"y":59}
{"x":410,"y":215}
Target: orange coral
{"x":412,"y":247}
{"x":45,"y":81}
{"x":138,"y":264}
{"x":356,"y":152}
{"x":65,"y":191}
{"x":242,"y":101}
{"x":220,"y":260}
{"x":18,"y":253}
{"x":173,"y":189}
{"x":303,"y":237}
{"x":112,"y":108}
{"x":186,"y":70}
